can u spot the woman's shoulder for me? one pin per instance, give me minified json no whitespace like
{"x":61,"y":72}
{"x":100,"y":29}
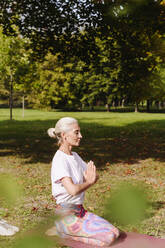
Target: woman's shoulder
{"x":59,"y":159}
{"x":59,"y":155}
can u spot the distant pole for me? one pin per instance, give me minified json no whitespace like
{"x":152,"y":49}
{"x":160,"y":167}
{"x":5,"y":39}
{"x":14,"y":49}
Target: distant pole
{"x":23,"y":105}
{"x":11,"y":96}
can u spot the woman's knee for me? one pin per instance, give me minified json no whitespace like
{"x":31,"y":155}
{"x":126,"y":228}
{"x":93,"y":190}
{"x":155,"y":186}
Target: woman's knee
{"x":113,"y":235}
{"x":116,"y":232}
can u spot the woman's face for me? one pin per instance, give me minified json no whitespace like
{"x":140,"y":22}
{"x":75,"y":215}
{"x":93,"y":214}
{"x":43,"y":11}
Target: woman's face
{"x":73,"y":136}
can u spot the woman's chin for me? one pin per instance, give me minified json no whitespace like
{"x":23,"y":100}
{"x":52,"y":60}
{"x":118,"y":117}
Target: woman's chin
{"x":77,"y":143}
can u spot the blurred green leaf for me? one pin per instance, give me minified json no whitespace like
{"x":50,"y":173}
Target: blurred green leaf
{"x":128,"y":204}
{"x":10,"y":191}
{"x":34,"y":241}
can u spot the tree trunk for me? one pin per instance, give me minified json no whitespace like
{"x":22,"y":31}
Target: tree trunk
{"x":159,"y":105}
{"x":11,"y":97}
{"x":23,"y":106}
{"x":108,"y":107}
{"x":122,"y":103}
{"x":136,"y":107}
{"x":82,"y":106}
{"x":91,"y":107}
{"x":148,"y":105}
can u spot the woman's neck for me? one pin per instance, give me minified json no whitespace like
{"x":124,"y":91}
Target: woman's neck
{"x":66,"y":149}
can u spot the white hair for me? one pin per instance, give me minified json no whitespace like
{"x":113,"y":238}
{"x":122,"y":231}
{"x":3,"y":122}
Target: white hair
{"x":62,"y":125}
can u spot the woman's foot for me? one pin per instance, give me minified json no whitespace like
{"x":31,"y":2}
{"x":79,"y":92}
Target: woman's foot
{"x":7,"y":229}
{"x":51,"y":231}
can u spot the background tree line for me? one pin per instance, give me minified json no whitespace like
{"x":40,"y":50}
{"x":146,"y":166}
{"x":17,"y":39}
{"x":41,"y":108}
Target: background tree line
{"x":71,"y":54}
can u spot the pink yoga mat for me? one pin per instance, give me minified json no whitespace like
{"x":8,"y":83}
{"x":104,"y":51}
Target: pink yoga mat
{"x":126,"y":240}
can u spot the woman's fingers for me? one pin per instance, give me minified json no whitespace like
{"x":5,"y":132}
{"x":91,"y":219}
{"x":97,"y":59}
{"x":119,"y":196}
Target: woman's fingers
{"x":91,"y":169}
{"x":90,"y":164}
{"x":90,"y":174}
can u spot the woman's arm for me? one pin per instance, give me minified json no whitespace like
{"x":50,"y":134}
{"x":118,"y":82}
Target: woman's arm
{"x":90,"y":177}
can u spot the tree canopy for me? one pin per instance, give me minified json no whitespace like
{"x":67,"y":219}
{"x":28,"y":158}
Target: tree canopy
{"x":101,"y":50}
{"x":50,"y":24}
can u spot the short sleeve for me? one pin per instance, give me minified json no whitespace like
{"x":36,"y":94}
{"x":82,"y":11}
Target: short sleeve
{"x":59,"y":169}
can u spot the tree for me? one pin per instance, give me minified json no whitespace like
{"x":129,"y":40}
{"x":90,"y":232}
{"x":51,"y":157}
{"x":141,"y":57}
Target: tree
{"x":157,"y":92}
{"x":50,"y":24}
{"x":13,"y":58}
{"x":58,"y":84}
{"x":103,"y":72}
{"x":138,"y":28}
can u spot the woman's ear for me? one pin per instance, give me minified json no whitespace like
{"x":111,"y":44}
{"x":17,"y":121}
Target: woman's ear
{"x":63,"y":135}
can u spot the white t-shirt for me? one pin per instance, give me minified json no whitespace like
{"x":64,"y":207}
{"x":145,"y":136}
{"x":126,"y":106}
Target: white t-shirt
{"x":64,"y":165}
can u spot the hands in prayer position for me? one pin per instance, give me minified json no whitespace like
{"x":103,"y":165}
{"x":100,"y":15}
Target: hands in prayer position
{"x":90,"y":178}
{"x":90,"y":175}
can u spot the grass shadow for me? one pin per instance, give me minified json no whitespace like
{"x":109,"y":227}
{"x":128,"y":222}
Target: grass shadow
{"x":128,"y":144}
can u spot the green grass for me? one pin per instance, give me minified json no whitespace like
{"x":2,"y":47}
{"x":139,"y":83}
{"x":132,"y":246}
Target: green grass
{"x":124,"y":146}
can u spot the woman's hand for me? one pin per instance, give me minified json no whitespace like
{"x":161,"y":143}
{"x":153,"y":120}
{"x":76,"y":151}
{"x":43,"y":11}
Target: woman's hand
{"x":90,"y":174}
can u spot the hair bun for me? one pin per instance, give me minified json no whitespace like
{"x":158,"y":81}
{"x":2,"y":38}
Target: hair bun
{"x":51,"y":132}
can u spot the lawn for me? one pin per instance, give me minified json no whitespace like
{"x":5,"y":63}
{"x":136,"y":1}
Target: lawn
{"x":125,"y":147}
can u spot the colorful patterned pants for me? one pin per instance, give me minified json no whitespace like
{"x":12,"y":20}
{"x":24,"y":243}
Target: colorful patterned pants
{"x":78,"y":224}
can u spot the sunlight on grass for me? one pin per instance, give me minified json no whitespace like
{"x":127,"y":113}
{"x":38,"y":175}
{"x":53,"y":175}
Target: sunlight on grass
{"x":124,"y":146}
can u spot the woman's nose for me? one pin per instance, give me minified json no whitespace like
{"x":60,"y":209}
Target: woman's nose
{"x":80,"y":136}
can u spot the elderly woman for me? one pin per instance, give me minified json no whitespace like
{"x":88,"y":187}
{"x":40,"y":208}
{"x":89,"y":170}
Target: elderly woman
{"x":70,"y":177}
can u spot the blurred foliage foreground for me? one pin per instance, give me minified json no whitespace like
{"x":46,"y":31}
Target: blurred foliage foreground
{"x":128,"y":204}
{"x":10,"y":194}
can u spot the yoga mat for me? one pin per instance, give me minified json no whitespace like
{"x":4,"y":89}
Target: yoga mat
{"x":126,"y":240}
{"x":76,"y":244}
